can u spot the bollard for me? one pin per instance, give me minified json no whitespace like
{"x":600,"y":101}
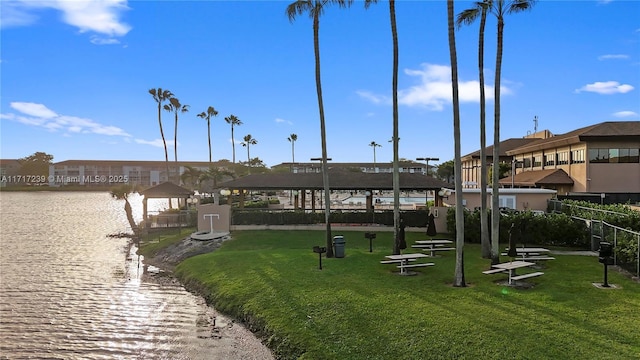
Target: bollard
{"x":319,"y":250}
{"x":370,"y":236}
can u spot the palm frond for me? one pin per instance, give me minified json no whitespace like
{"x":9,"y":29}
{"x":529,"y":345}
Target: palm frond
{"x":467,"y":17}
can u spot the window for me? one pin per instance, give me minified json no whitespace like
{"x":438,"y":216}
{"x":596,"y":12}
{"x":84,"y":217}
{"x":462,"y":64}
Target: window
{"x":549,"y":160}
{"x":526,"y":163}
{"x":629,"y":155}
{"x":507,"y":201}
{"x":614,"y":155}
{"x":562,"y":158}
{"x":598,"y":156}
{"x":537,"y":161}
{"x":577,"y":156}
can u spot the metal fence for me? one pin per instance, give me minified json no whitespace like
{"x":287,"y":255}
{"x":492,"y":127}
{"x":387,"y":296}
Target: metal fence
{"x":626,"y":244}
{"x":173,"y":220}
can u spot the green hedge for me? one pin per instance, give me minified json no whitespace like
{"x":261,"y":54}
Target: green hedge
{"x":246,"y":216}
{"x":548,"y":229}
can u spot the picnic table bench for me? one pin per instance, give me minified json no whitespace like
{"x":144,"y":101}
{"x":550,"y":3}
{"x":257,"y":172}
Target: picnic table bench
{"x":403,"y":261}
{"x":510,"y":268}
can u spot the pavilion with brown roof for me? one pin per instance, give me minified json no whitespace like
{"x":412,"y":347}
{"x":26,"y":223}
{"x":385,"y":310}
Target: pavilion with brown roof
{"x":339,"y":179}
{"x":166,"y":190}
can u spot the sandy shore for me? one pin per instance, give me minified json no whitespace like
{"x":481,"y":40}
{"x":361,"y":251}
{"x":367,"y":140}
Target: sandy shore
{"x":223,"y":336}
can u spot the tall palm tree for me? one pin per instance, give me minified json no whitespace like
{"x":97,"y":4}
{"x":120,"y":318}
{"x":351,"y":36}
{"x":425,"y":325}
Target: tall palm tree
{"x":500,"y":8}
{"x":248,"y":141}
{"x":459,"y":272}
{"x":160,"y":96}
{"x":211,"y":111}
{"x":233,"y":121}
{"x":374,"y":145}
{"x":467,"y":17}
{"x":176,"y":107}
{"x":292,"y":139}
{"x":315,"y":8}
{"x":395,"y":139}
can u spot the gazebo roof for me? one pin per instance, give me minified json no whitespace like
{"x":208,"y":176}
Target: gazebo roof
{"x":166,"y":190}
{"x":339,"y":179}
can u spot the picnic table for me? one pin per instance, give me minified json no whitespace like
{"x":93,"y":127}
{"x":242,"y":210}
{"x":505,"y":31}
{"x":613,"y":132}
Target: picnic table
{"x":531,"y":253}
{"x":433,"y":245}
{"x":510,"y":268}
{"x":403,"y":261}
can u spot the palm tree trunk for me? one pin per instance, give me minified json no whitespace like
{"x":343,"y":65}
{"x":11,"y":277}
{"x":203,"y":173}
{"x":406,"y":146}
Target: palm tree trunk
{"x":323,"y":136}
{"x":484,"y":222}
{"x":175,"y":149}
{"x":164,"y":142}
{"x":209,"y":137}
{"x":459,"y":280}
{"x":495,"y":200}
{"x":233,"y":145}
{"x":396,"y":170}
{"x":129,"y":212}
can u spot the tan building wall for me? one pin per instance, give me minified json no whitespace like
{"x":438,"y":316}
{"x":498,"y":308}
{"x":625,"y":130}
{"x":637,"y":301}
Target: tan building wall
{"x":518,"y":199}
{"x":608,"y":177}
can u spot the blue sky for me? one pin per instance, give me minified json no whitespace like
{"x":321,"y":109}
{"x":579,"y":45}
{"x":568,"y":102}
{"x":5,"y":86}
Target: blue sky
{"x":75,"y":77}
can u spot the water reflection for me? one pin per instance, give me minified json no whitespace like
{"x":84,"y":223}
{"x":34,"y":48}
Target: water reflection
{"x":70,"y":292}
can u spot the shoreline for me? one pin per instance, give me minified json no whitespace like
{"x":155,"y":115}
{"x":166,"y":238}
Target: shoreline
{"x":233,"y":337}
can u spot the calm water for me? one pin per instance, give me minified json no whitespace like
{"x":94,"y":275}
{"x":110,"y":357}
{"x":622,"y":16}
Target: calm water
{"x":67,"y":291}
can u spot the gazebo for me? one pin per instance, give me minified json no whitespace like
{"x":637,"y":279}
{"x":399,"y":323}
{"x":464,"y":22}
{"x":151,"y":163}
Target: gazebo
{"x":339,"y":179}
{"x":166,"y":190}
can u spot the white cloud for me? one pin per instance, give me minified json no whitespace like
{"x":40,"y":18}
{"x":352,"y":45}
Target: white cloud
{"x":625,"y":114}
{"x":606,"y":88}
{"x":96,"y":40}
{"x":283,"y":121}
{"x":376,"y":99}
{"x":33,"y":109}
{"x":156,"y":142}
{"x":613,"y":57}
{"x":102,"y":17}
{"x":434,"y":89}
{"x":34,"y":114}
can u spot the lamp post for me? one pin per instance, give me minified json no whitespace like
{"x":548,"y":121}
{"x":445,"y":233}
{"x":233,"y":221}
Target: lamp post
{"x":192,"y":201}
{"x":327,"y":201}
{"x":427,"y":159}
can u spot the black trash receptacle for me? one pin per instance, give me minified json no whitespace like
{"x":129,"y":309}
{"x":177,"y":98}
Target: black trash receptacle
{"x":338,"y":245}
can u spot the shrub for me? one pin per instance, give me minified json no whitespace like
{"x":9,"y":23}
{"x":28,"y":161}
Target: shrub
{"x":549,"y":229}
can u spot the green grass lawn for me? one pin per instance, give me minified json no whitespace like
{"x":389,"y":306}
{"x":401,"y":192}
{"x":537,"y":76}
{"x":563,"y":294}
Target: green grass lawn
{"x":357,"y":308}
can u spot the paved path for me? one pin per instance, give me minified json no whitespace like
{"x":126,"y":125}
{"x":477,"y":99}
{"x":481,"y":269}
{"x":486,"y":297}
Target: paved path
{"x":576,"y":252}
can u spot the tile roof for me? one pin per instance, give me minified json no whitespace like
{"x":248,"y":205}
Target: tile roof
{"x":166,"y":190}
{"x":544,"y":177}
{"x":620,"y":130}
{"x":339,"y":179}
{"x":505,"y":146}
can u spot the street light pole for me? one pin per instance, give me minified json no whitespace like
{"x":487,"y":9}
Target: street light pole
{"x":427,"y":159}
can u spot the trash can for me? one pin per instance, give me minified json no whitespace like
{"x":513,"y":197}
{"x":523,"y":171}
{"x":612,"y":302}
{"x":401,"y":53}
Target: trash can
{"x":338,"y":245}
